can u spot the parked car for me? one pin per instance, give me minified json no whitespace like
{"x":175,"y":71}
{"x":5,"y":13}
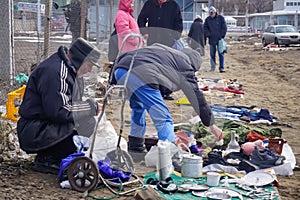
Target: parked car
{"x":281,"y":35}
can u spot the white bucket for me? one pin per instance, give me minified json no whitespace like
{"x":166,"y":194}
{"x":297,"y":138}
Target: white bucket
{"x":213,"y":178}
{"x":191,"y":166}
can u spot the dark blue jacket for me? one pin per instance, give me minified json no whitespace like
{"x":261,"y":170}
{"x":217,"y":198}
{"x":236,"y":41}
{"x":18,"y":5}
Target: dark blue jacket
{"x":167,"y":16}
{"x":52,"y":104}
{"x":215,"y":29}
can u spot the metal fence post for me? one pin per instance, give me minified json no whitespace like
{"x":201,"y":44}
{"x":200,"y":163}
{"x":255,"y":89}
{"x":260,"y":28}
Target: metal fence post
{"x":48,"y":4}
{"x":6,"y":35}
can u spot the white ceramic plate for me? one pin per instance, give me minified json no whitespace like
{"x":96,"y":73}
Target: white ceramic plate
{"x":195,"y":187}
{"x":231,"y":192}
{"x":258,"y":178}
{"x":199,"y":194}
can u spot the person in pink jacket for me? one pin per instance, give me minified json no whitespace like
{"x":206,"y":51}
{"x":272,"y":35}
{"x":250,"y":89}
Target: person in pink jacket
{"x":126,"y":24}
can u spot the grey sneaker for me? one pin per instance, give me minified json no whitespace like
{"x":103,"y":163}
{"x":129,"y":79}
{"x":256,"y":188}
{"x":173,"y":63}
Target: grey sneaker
{"x":265,"y":159}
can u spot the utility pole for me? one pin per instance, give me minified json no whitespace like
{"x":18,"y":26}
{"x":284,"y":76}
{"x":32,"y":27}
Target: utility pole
{"x":83,"y":19}
{"x":97,"y":22}
{"x":247,"y":17}
{"x":111,"y":16}
{"x":48,"y":5}
{"x":6,"y":34}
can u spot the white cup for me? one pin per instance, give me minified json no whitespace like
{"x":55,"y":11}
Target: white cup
{"x":213,"y":178}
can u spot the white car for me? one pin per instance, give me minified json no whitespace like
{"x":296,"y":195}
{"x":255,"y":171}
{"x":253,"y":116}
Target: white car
{"x":281,"y":35}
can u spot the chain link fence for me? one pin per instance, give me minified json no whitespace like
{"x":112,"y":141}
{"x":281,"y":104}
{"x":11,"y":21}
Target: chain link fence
{"x":38,"y":31}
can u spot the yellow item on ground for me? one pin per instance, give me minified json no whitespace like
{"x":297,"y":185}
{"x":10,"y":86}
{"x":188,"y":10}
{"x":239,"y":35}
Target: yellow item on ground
{"x":183,"y":101}
{"x":11,"y":110}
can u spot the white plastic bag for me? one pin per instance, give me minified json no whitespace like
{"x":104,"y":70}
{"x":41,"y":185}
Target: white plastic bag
{"x":151,"y":157}
{"x":287,"y":152}
{"x":106,"y":140}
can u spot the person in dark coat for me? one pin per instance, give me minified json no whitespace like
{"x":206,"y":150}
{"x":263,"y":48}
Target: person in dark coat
{"x":215,"y":29}
{"x":196,"y":35}
{"x":155,"y":66}
{"x":52,"y":110}
{"x":164,"y":25}
{"x":163,"y":19}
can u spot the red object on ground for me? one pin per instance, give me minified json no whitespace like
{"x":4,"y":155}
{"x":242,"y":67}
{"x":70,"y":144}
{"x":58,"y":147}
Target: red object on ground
{"x":224,"y":90}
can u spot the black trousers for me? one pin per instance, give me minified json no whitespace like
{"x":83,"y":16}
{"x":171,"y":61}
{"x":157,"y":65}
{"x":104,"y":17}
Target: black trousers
{"x":61,"y":149}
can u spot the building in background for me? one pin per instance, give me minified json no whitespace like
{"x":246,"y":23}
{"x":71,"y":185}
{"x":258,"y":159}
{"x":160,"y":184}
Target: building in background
{"x":285,"y":12}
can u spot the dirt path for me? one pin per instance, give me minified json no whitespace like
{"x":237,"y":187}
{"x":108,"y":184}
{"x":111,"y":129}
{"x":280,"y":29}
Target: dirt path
{"x":270,"y":80}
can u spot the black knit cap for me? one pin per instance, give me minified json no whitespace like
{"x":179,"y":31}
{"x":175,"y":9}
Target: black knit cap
{"x":194,"y":56}
{"x":81,"y":51}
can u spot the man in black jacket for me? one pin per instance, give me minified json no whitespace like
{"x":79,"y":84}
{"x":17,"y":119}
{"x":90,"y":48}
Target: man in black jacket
{"x":164,"y":26}
{"x":164,"y":21}
{"x":52,"y":110}
{"x":152,"y":67}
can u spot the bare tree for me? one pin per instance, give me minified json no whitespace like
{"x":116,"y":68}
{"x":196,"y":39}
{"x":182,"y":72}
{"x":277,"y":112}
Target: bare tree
{"x":238,"y":7}
{"x":261,"y":5}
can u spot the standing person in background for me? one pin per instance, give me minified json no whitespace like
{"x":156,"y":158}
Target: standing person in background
{"x":73,"y":17}
{"x":126,"y":24}
{"x":164,"y":25}
{"x":196,"y":35}
{"x":215,"y":29}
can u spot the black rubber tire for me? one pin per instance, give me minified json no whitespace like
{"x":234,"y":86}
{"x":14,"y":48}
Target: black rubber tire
{"x":264,"y":42}
{"x":276,"y":42}
{"x":81,"y":170}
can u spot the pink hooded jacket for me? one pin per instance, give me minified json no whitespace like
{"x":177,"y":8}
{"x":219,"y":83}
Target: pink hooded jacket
{"x":125,"y":24}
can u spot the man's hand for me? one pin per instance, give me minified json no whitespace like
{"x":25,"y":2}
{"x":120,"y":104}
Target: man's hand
{"x":217,"y":132}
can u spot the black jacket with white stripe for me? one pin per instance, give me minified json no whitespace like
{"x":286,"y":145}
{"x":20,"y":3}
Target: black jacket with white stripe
{"x":52,"y":106}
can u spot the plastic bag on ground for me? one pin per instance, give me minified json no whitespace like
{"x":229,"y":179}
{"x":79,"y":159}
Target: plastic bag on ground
{"x":106,"y":140}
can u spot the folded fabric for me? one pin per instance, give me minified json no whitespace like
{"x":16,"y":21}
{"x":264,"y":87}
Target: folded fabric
{"x":108,"y":172}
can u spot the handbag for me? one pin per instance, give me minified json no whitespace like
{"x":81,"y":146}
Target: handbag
{"x":222,"y":46}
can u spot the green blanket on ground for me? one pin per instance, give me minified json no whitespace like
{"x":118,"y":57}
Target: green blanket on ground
{"x":178,"y":180}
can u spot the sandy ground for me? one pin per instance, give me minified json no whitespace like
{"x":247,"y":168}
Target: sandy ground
{"x":270,"y":80}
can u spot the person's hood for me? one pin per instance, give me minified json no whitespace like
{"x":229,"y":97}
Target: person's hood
{"x":194,"y":56}
{"x":125,"y":6}
{"x":198,"y":20}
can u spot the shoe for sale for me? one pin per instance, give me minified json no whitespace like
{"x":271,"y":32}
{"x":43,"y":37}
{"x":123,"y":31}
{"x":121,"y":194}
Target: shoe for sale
{"x":247,"y":166}
{"x":46,"y":164}
{"x":265,"y":159}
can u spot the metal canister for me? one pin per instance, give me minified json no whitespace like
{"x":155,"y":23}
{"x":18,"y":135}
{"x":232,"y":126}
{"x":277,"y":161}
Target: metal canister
{"x":191,"y":166}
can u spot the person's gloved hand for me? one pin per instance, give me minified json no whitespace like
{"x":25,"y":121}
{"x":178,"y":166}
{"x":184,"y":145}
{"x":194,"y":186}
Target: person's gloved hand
{"x":217,"y":132}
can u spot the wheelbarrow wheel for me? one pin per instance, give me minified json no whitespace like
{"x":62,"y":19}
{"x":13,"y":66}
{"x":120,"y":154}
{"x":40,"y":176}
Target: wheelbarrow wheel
{"x":83,"y":174}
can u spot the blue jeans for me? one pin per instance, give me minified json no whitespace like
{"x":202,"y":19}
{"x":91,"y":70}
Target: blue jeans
{"x":213,"y":49}
{"x":144,"y":98}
